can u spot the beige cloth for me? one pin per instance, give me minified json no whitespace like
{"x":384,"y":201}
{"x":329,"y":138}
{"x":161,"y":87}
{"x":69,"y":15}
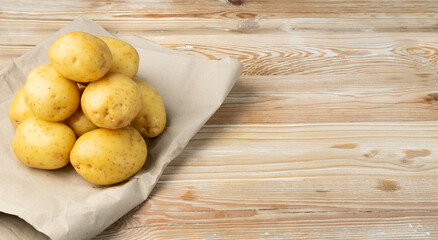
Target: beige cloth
{"x":60,"y":203}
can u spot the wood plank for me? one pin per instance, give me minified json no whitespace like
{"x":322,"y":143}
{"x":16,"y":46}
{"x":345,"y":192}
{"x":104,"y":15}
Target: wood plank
{"x":308,"y":150}
{"x":332,"y":194}
{"x":330,"y":98}
{"x":221,"y":9}
{"x":305,"y":53}
{"x":30,"y":32}
{"x":274,"y":224}
{"x":316,"y":53}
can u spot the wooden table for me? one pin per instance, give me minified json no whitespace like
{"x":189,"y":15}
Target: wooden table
{"x":331,"y":132}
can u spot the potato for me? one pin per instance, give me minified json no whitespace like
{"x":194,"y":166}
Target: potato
{"x":18,"y":110}
{"x":80,"y":56}
{"x":125,"y":57}
{"x":106,"y":157}
{"x":49,"y":95}
{"x":151,"y":120}
{"x":112,"y":102}
{"x":79,"y":123}
{"x":43,"y":144}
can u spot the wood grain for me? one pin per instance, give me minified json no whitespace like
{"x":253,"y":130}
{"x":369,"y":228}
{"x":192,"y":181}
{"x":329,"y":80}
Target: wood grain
{"x":39,"y":29}
{"x":222,"y":9}
{"x":339,"y":178}
{"x":347,"y":98}
{"x":319,"y":54}
{"x":306,"y":53}
{"x":330,"y":133}
{"x":259,"y":224}
{"x":308,"y":150}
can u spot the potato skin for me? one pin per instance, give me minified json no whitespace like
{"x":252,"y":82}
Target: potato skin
{"x":18,"y":110}
{"x":125,"y":57}
{"x":79,"y":123}
{"x":112,"y":102}
{"x":106,"y":157}
{"x":42,"y":144}
{"x":80,"y":56}
{"x":49,"y":95}
{"x":151,"y":119}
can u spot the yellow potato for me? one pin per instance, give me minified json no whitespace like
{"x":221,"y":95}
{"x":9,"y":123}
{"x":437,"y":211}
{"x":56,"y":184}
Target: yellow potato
{"x":19,"y":111}
{"x":112,"y":102}
{"x":151,"y":120}
{"x":79,"y":123}
{"x":106,"y":157}
{"x":43,"y":144}
{"x":80,"y":56}
{"x":49,"y":95}
{"x":125,"y":57}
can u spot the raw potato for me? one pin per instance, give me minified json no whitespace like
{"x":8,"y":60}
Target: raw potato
{"x":19,"y":111}
{"x":87,"y":92}
{"x":106,"y":157}
{"x":125,"y":57}
{"x":112,"y":102}
{"x":151,"y":120}
{"x":43,"y":144}
{"x":49,"y":95}
{"x":79,"y":123}
{"x":80,"y":56}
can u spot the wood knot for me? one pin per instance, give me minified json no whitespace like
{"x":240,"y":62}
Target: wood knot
{"x":387,"y":185}
{"x":345,"y":146}
{"x":371,"y":154}
{"x":247,"y":15}
{"x":322,"y":191}
{"x":189,"y":196}
{"x":431,"y":97}
{"x":235,"y":2}
{"x":413,"y":153}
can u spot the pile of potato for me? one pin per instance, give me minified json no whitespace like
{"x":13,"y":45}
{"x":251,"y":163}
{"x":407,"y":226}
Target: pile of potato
{"x":87,"y":107}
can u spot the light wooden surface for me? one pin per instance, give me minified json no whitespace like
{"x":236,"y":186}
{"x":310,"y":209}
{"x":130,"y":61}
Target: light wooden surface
{"x":330,"y":133}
